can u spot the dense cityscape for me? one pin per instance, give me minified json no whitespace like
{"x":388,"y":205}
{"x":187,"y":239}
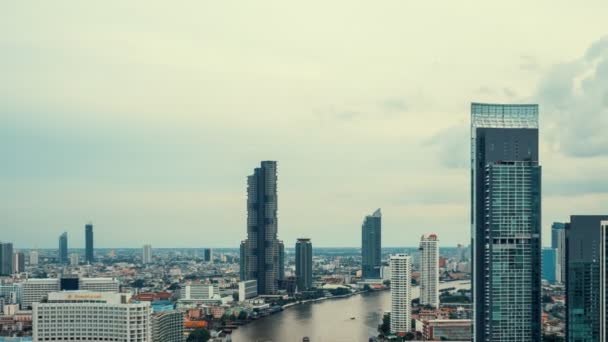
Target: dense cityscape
{"x":503,"y":287}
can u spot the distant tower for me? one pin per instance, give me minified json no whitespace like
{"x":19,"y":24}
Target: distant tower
{"x":304,"y":264}
{"x":62,"y":256}
{"x":33,"y":258}
{"x":19,"y":262}
{"x":401,"y":296}
{"x":429,"y":270}
{"x":208,"y":255}
{"x":558,"y":242}
{"x":371,"y":245}
{"x":147,"y":254}
{"x":6,"y":259}
{"x":89,"y":254}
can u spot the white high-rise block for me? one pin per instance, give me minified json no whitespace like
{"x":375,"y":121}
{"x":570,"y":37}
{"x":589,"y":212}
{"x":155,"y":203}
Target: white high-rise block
{"x":429,"y":270}
{"x":401,"y":294}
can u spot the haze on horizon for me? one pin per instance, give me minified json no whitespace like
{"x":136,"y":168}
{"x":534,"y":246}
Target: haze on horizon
{"x":146,"y":118}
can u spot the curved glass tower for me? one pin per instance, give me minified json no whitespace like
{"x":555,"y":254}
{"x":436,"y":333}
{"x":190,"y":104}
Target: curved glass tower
{"x":506,"y":222}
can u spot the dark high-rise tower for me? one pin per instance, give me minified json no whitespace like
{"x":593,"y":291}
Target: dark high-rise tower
{"x":261,"y":252}
{"x":6,"y":259}
{"x":558,"y":242}
{"x":304,"y":264}
{"x":62,"y":256}
{"x":89,"y":253}
{"x":207,"y":255}
{"x":371,"y":244}
{"x":584,"y":259}
{"x":506,"y":222}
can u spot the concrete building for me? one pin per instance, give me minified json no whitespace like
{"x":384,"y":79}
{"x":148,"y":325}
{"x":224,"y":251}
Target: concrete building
{"x":303,"y":264}
{"x":199,"y":291}
{"x":585,"y":312}
{"x":18,"y":262}
{"x":447,"y":330}
{"x":208,"y":255}
{"x":91,"y":316}
{"x":62,"y":255}
{"x":35,"y":290}
{"x":168,"y":326}
{"x":371,"y":245}
{"x":429,"y":270}
{"x":247,"y":289}
{"x":558,"y":242}
{"x":401,"y":296}
{"x":506,"y":222}
{"x":74,"y":259}
{"x":146,"y":257}
{"x":99,"y":284}
{"x":11,"y":293}
{"x":34,"y":258}
{"x":261,"y":251}
{"x":89,"y":251}
{"x":6,"y":259}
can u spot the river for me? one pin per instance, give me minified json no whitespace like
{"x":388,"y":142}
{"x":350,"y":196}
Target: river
{"x":327,"y":321}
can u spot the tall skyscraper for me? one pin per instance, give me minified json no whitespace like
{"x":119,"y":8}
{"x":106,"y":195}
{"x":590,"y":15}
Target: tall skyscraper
{"x":18,"y":262}
{"x":208,"y":255}
{"x":34,"y":258}
{"x":371,"y":245}
{"x":506,"y":222}
{"x":429,"y":270}
{"x":89,"y":253}
{"x":261,"y":252}
{"x":549,"y":264}
{"x":62,"y":256}
{"x":604,"y":281}
{"x":146,"y":257}
{"x":584,"y":286}
{"x":401,"y":294}
{"x":304,"y":264}
{"x":558,"y":242}
{"x":6,"y":259}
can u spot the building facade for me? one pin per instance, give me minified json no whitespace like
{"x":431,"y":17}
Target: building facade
{"x":261,"y":252}
{"x":248,"y":289}
{"x":506,"y":222}
{"x":208,"y":255}
{"x":168,"y":326}
{"x":371,"y":245}
{"x":304,"y":264}
{"x":429,"y":270}
{"x":584,"y":286}
{"x":91,"y":316}
{"x":34,"y":258}
{"x":35,"y":290}
{"x":558,"y":242}
{"x":89,"y":253}
{"x":401,"y":294}
{"x":447,"y":330}
{"x":146,"y":256}
{"x":62,"y":255}
{"x":18,"y":262}
{"x":6,"y":259}
{"x":549,"y":265}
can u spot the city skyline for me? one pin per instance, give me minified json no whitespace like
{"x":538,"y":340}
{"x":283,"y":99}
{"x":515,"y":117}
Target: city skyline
{"x":109,"y":124}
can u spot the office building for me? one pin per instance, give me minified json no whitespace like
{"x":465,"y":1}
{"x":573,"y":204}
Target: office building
{"x":99,"y":284}
{"x":89,"y":252}
{"x":506,"y":222}
{"x":167,"y":326}
{"x":549,"y":265}
{"x":447,"y":330}
{"x":261,"y":252}
{"x":62,"y":256}
{"x":558,"y":242}
{"x":6,"y":259}
{"x":11,"y":293}
{"x":429,"y":270}
{"x":146,"y":257}
{"x":18,"y":262}
{"x":584,"y":288}
{"x":74,"y":259}
{"x":401,"y":296}
{"x":248,"y":289}
{"x":91,"y":316}
{"x":34,"y":258}
{"x":303,"y":264}
{"x":281,"y":276}
{"x":371,"y":245}
{"x":199,"y":291}
{"x":35,"y":290}
{"x":243,"y":250}
{"x":208,"y":255}
{"x":604,"y":281}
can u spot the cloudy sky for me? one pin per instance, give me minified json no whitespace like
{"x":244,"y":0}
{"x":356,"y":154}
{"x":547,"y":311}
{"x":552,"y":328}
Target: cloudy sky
{"x":145,"y":118}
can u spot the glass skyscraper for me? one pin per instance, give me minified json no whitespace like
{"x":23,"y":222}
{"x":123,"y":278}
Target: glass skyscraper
{"x":549,"y":264}
{"x":6,"y":259}
{"x":506,"y":222}
{"x":558,"y":242}
{"x":89,"y":253}
{"x":584,"y":287}
{"x":371,"y":244}
{"x":63,"y":248}
{"x":304,"y":264}
{"x":262,"y":253}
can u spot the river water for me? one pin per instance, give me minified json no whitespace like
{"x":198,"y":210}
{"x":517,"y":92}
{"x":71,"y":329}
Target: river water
{"x":326,"y":321}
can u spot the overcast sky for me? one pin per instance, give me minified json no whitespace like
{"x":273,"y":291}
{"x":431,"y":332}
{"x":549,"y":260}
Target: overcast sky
{"x":146,"y":118}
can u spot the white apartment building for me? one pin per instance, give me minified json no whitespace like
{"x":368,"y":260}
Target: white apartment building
{"x":429,"y":270}
{"x":99,"y":284}
{"x":34,"y":290}
{"x":199,"y":291}
{"x":91,"y":316}
{"x":146,"y":257}
{"x":74,"y":259}
{"x":401,"y":294}
{"x":34,"y":258}
{"x":248,"y":289}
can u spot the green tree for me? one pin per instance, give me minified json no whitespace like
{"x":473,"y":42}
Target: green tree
{"x":242,"y":315}
{"x":199,"y":335}
{"x":366,"y":287}
{"x":385,"y":328}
